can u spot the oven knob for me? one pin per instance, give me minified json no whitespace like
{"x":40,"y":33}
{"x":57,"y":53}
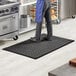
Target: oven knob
{"x":7,"y":10}
{"x":12,"y":9}
{"x":16,"y":8}
{"x":3,"y":11}
{"x":0,"y":12}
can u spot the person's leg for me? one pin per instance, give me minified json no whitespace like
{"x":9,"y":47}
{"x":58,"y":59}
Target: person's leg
{"x":48,"y":23}
{"x":38,"y":31}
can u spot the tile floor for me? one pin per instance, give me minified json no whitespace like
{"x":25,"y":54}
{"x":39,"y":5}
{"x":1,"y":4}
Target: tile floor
{"x":16,"y":65}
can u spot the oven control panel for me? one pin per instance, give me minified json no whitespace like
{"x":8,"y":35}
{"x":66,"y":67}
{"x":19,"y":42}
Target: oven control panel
{"x":14,"y":9}
{"x":9,"y":10}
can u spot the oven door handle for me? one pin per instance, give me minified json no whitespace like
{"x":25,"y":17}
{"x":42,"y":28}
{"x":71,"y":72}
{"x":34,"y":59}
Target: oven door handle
{"x":13,"y":17}
{"x":7,"y":17}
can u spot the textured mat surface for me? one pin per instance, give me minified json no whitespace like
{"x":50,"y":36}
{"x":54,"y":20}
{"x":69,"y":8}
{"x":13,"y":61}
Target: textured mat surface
{"x":37,"y":50}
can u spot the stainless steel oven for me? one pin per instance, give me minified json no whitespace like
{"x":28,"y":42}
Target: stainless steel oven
{"x":9,"y":21}
{"x":9,"y":26}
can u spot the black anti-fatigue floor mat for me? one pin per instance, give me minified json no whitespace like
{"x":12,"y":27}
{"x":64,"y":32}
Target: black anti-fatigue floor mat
{"x":37,"y":50}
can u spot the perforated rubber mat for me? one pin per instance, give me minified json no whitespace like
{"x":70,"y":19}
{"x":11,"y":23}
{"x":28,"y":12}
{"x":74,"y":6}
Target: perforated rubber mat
{"x":36,"y":50}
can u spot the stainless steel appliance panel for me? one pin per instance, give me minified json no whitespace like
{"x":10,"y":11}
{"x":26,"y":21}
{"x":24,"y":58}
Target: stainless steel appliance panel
{"x":9,"y":24}
{"x":68,"y":8}
{"x":65,"y":9}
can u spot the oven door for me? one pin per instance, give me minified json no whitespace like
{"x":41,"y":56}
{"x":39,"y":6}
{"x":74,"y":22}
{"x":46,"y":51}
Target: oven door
{"x":9,"y":24}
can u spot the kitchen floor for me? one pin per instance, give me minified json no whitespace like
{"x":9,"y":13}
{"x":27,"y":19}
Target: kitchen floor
{"x":16,"y":65}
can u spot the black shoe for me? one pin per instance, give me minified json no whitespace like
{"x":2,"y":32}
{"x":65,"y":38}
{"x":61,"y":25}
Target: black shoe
{"x":47,"y":39}
{"x":34,"y":39}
